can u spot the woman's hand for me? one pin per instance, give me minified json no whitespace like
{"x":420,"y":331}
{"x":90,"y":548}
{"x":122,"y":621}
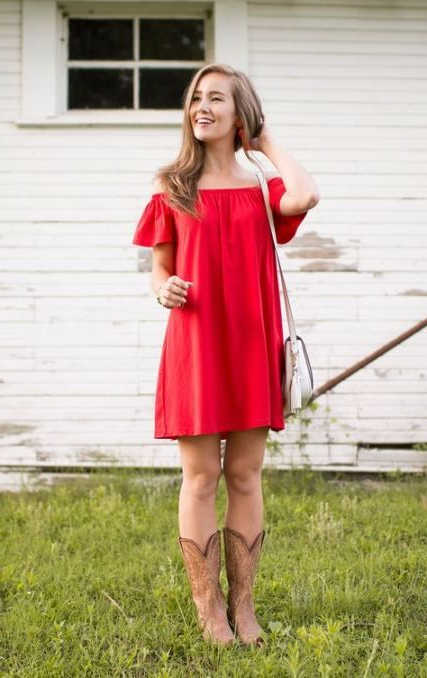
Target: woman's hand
{"x":256,"y":143}
{"x":173,"y":292}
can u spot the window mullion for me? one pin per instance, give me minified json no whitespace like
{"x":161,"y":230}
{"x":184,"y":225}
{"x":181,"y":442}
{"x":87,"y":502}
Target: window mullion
{"x":136,"y":67}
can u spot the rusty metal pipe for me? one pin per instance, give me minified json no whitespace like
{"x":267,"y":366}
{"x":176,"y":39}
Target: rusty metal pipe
{"x":368,"y":359}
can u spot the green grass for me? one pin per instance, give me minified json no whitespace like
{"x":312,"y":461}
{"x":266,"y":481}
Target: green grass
{"x":92,"y":581}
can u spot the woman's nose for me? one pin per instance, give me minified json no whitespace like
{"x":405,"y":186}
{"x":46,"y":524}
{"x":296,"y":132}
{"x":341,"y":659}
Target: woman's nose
{"x":203,"y":105}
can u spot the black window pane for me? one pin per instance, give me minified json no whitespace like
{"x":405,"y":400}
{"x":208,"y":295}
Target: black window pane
{"x":100,"y":39}
{"x":172,"y":39}
{"x":100,"y":88}
{"x":163,"y":87}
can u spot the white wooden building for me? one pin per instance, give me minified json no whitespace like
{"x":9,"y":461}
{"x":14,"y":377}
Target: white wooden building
{"x":343,"y":86}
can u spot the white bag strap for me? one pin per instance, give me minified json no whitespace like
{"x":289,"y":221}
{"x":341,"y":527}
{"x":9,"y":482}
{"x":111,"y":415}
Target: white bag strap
{"x":289,"y":316}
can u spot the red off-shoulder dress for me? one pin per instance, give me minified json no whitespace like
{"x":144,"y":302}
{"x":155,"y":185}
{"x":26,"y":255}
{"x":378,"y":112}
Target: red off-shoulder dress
{"x":222,"y":353}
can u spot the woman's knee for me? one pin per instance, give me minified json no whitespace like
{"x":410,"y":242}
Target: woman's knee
{"x":242,"y":478}
{"x":203,"y":483}
{"x":201,"y":464}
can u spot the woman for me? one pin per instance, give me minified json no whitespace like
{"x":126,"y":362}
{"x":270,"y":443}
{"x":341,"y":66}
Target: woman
{"x":214,"y":266}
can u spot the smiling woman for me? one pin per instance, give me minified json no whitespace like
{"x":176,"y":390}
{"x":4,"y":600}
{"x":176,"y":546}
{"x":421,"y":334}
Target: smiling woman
{"x":219,"y":102}
{"x":222,"y":357}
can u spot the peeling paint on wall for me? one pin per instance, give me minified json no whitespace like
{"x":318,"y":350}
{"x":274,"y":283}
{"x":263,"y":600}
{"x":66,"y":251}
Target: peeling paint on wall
{"x":381,"y":372}
{"x":414,"y":293}
{"x":144,"y":260}
{"x":312,"y":252}
{"x":328,"y":266}
{"x":96,"y":455}
{"x":312,"y":238}
{"x":14,"y":429}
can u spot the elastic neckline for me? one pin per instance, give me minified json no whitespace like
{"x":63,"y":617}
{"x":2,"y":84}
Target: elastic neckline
{"x":236,"y":188}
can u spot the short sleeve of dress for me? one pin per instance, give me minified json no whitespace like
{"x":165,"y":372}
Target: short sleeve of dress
{"x":156,"y":224}
{"x":285,"y":225}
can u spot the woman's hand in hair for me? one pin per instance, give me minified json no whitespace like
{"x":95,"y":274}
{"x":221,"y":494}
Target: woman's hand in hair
{"x":256,"y":143}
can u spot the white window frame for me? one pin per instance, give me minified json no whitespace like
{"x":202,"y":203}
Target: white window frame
{"x":44,"y":55}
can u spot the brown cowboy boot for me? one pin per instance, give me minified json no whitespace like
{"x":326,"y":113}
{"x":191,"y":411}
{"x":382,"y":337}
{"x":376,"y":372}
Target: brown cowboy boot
{"x":241,"y":564}
{"x":203,"y":573}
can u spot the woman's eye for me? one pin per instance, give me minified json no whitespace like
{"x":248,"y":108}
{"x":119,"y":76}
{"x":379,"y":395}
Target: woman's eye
{"x":213,"y":98}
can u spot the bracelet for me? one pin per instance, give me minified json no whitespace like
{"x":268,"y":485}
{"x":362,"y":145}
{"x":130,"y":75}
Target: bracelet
{"x":158,"y":295}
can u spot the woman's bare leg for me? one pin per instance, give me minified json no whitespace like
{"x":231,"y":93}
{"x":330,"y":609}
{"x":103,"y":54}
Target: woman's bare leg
{"x":201,"y":467}
{"x":243,"y":459}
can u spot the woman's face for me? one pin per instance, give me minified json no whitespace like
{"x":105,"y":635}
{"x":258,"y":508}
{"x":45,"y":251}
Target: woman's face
{"x":213,"y":101}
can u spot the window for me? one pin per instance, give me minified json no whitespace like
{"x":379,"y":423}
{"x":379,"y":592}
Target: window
{"x":121,"y":62}
{"x":132,"y":63}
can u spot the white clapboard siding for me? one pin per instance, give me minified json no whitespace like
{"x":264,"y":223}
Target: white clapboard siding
{"x":343,"y":86}
{"x":80,"y":332}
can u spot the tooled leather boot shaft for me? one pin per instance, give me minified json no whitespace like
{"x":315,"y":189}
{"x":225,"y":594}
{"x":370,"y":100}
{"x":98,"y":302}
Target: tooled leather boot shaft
{"x":203,"y":571}
{"x":241,"y":565}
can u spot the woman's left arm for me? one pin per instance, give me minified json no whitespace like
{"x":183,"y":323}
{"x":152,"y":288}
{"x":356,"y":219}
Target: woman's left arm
{"x":301,"y":193}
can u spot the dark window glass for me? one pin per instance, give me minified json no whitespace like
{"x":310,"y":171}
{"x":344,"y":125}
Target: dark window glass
{"x":163,"y":87}
{"x":100,"y":88}
{"x":171,"y":39}
{"x":100,"y":39}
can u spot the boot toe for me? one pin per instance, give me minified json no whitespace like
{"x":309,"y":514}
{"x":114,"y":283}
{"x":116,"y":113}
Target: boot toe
{"x":254,"y":639}
{"x":251,"y":634}
{"x":222,"y":635}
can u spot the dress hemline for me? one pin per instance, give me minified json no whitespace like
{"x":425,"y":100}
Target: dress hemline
{"x":224,"y":432}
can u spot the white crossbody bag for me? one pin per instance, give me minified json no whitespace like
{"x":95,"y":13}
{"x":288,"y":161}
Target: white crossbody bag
{"x":297,"y":376}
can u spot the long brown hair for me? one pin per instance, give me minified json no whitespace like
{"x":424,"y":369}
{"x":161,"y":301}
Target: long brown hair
{"x":180,"y":178}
